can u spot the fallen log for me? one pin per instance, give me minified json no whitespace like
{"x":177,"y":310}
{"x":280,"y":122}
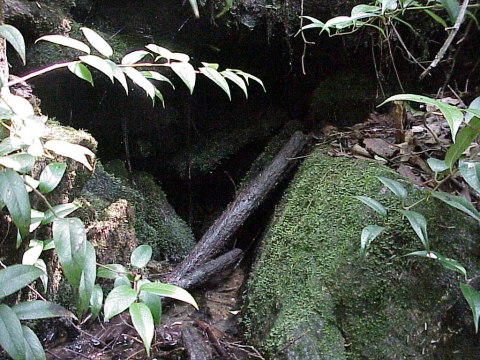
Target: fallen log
{"x":206,"y":271}
{"x":217,"y":236}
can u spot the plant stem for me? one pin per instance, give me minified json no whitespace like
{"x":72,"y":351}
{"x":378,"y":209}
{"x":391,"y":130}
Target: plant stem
{"x":446,"y":45}
{"x":39,"y":72}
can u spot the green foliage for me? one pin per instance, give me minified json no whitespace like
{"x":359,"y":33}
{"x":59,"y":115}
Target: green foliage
{"x":139,"y":295}
{"x":19,"y":153}
{"x":163,"y":58}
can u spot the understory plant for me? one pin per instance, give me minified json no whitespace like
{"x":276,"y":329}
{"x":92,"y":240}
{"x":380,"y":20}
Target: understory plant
{"x":383,"y":16}
{"x":464,"y":125}
{"x":23,"y":150}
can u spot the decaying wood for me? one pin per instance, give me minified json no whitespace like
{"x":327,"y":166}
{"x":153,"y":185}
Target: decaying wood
{"x":205,"y":272}
{"x":217,"y":236}
{"x":195,"y":344}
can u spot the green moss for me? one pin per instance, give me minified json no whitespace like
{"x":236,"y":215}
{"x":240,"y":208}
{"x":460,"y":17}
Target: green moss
{"x":344,"y":98}
{"x":308,"y":273}
{"x":156,"y":223}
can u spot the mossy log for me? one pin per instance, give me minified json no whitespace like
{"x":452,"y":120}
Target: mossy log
{"x":218,"y":235}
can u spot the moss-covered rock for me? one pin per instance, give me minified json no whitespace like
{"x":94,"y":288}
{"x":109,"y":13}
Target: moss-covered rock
{"x":155,"y":221}
{"x":310,"y":296}
{"x":343,"y":99}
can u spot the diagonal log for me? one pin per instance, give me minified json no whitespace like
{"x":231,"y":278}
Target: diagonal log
{"x":217,"y":236}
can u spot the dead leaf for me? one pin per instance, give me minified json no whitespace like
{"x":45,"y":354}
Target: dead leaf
{"x":380,"y":147}
{"x":359,"y":150}
{"x":407,"y":172}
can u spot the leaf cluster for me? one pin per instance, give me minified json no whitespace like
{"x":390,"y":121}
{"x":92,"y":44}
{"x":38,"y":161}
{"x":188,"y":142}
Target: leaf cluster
{"x":19,"y":153}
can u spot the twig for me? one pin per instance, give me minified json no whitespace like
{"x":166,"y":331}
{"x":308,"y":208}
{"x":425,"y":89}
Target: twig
{"x":291,"y":342}
{"x":405,"y":48}
{"x":52,"y":354}
{"x":305,"y":42}
{"x":79,"y":354}
{"x":393,"y":61}
{"x":446,"y":45}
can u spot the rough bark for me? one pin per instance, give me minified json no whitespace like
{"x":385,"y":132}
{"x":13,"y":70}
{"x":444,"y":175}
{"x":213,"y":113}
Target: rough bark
{"x":217,"y":236}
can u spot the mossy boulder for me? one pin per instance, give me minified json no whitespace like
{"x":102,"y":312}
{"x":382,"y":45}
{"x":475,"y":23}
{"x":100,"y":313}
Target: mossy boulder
{"x":311,"y":296}
{"x":343,"y":99}
{"x":155,"y":221}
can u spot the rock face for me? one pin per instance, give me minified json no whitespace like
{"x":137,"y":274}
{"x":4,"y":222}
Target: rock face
{"x":310,"y":296}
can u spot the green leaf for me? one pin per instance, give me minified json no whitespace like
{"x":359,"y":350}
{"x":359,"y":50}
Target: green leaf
{"x":119,"y":299}
{"x":137,"y":77}
{"x":453,"y":115}
{"x":122,"y":280}
{"x":61,"y":210}
{"x":70,"y":244}
{"x":21,"y":163}
{"x":152,"y":301}
{"x":394,"y":187}
{"x":156,"y":76}
{"x":87,"y":280}
{"x":143,"y":322}
{"x":369,"y":233}
{"x":112,"y":272}
{"x":464,"y":139}
{"x":388,"y":5}
{"x":451,"y":264}
{"x":159,"y":95}
{"x":15,"y":38}
{"x":362,"y":8}
{"x":419,"y":225}
{"x":473,"y":298}
{"x":163,"y":52}
{"x":141,"y":256}
{"x":134,"y":57}
{"x":36,"y":218}
{"x":236,"y":79}
{"x":470,"y":170}
{"x":437,"y":165}
{"x":6,"y":146}
{"x":11,"y":333}
{"x":194,"y":5}
{"x":15,"y":197}
{"x":96,"y":301}
{"x":217,"y":78}
{"x":40,"y":264}
{"x":33,"y":346}
{"x":39,"y":309}
{"x":16,"y":277}
{"x":452,"y":7}
{"x":186,"y":72}
{"x":81,"y":71}
{"x":436,"y":17}
{"x":51,"y":176}
{"x":97,"y":42}
{"x":31,"y":256}
{"x":171,"y":291}
{"x":76,"y":152}
{"x":458,"y":202}
{"x":247,"y":77}
{"x":446,"y":262}
{"x":99,"y":64}
{"x":372,"y":203}
{"x":48,"y":244}
{"x":118,"y":74}
{"x":66,"y":41}
{"x":474,"y":105}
